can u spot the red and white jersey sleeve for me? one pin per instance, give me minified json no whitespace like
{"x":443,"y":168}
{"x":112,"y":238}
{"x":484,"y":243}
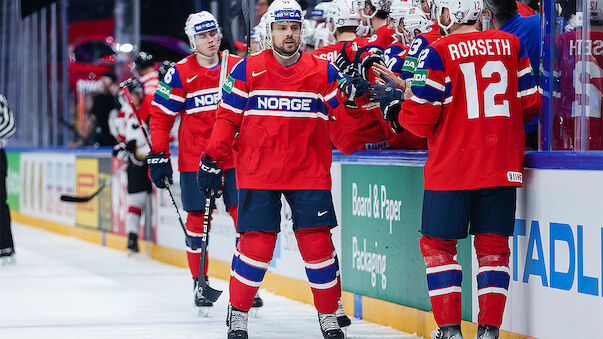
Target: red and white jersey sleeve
{"x":282,"y":115}
{"x":150,"y":81}
{"x":471,"y":92}
{"x":191,"y":91}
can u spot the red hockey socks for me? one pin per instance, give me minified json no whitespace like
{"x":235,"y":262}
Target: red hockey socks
{"x":322,"y":267}
{"x":249,"y":264}
{"x":194,"y":229}
{"x":444,"y":276}
{"x":492,"y":277}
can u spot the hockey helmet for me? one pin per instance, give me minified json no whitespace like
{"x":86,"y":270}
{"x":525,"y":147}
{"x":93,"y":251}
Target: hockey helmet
{"x":282,"y":11}
{"x":398,"y":11}
{"x":144,"y":60}
{"x":461,"y":11}
{"x":416,"y":19}
{"x":319,"y":12}
{"x":198,"y":23}
{"x":377,"y":5}
{"x":342,"y":14}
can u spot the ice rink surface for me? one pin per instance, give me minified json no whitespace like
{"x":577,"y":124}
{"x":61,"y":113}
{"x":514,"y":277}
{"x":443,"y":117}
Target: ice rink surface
{"x":63,"y":287}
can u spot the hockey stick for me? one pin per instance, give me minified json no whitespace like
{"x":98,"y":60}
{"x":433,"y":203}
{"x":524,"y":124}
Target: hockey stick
{"x":193,"y":244}
{"x":245,"y":10}
{"x":223,"y":71}
{"x":71,"y":198}
{"x":207,"y":291}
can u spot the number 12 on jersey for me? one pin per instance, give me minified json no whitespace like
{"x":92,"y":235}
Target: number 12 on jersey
{"x":491,"y":109}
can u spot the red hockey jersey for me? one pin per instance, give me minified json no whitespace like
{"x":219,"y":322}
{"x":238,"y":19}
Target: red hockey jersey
{"x":418,"y":44}
{"x":281,"y":114}
{"x":190,"y":90}
{"x":472,"y":94}
{"x":381,"y":39}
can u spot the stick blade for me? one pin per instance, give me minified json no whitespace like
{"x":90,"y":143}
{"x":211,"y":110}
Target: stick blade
{"x":209,"y":293}
{"x":70,"y":198}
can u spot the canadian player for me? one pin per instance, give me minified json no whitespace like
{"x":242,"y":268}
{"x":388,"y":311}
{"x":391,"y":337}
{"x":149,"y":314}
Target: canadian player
{"x":279,"y":103}
{"x":472,"y":93}
{"x":190,"y":89}
{"x":133,"y":149}
{"x":374,"y":13}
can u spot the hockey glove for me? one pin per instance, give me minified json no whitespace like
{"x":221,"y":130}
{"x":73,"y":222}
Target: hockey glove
{"x":366,"y":67}
{"x":345,"y":65}
{"x":120,"y":151}
{"x":390,"y":99}
{"x":160,"y":169}
{"x":209,"y":176}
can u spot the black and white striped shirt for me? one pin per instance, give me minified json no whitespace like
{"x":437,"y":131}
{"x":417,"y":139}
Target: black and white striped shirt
{"x":7,"y":120}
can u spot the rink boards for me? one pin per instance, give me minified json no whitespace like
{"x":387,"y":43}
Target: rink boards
{"x":556,"y":264}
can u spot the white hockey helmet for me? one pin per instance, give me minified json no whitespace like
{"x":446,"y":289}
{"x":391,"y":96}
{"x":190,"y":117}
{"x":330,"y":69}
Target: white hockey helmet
{"x":282,"y":10}
{"x":258,"y":33}
{"x":319,"y":12}
{"x":379,"y":5}
{"x":398,"y":11}
{"x":342,"y":14}
{"x":416,"y":19}
{"x":461,"y":11}
{"x":198,"y":23}
{"x":322,"y":36}
{"x":308,"y":36}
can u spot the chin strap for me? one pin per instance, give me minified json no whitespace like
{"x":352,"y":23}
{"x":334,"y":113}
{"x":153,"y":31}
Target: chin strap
{"x":287,"y":57}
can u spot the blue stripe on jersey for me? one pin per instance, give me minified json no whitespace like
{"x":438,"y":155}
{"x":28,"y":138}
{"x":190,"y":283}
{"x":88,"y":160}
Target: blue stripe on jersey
{"x":526,"y":82}
{"x":202,"y":100}
{"x":285,"y":103}
{"x":493,"y":279}
{"x":172,"y":105}
{"x":247,"y":271}
{"x":432,"y":60}
{"x":234,"y":100}
{"x":322,"y":275}
{"x":239,"y":71}
{"x":444,"y":279}
{"x":333,"y":103}
{"x":428,"y":93}
{"x":333,"y":74}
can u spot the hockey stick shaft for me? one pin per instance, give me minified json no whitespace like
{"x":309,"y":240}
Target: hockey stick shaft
{"x":206,"y":291}
{"x":70,"y":198}
{"x":245,"y":10}
{"x":192,"y":244}
{"x":223,"y":71}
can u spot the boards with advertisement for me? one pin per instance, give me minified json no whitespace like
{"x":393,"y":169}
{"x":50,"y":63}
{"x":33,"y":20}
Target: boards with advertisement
{"x":44,"y":178}
{"x":86,"y":182}
{"x":556,"y":260}
{"x":381,"y":218}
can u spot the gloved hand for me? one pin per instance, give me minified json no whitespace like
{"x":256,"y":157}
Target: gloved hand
{"x":354,"y":87}
{"x":209,"y":176}
{"x":120,"y":152}
{"x":366,"y":65}
{"x":160,"y":169}
{"x":390,"y":100}
{"x":345,"y":65}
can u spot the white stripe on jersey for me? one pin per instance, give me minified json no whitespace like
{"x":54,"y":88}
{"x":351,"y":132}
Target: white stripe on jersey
{"x":524,"y":71}
{"x":201,"y":109}
{"x":164,"y":109}
{"x":423,"y":101}
{"x":177,"y":98}
{"x":287,"y":114}
{"x":527,"y":92}
{"x":285,"y":94}
{"x":201,"y":92}
{"x":435,"y":85}
{"x":230,"y":108}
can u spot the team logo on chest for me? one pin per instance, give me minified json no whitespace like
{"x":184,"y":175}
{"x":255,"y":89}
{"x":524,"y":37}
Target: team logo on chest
{"x":206,"y":100}
{"x":285,"y":104}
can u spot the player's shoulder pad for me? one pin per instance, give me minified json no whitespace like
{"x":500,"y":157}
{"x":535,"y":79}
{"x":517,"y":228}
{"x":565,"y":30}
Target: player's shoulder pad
{"x":239,"y":70}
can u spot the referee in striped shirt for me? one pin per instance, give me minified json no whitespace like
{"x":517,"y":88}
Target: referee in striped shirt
{"x":7,"y":129}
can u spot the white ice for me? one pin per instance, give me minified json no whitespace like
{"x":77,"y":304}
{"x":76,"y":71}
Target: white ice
{"x":63,"y":287}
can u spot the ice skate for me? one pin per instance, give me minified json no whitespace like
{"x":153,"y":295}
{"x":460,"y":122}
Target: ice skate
{"x":329,"y":327}
{"x":236,"y":320}
{"x":257,"y":303}
{"x":487,"y":332}
{"x":342,"y":319}
{"x":203,"y":305}
{"x":7,"y":256}
{"x":447,"y":332}
{"x":132,"y":243}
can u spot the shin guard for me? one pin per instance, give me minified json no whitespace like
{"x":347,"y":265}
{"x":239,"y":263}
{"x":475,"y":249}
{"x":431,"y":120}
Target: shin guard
{"x":322,"y":267}
{"x":444,"y":277}
{"x":492,"y":277}
{"x":194,"y":229}
{"x":249,"y":264}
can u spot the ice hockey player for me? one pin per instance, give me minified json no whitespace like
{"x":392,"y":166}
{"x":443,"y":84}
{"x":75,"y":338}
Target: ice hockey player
{"x":190,"y":89}
{"x":419,"y":43}
{"x":279,"y":102}
{"x":472,"y":92}
{"x":134,"y":149}
{"x":375,"y":14}
{"x":147,"y":73}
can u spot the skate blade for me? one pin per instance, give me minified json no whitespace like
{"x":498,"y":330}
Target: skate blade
{"x":254,"y":312}
{"x":131,"y":253}
{"x":203,"y":311}
{"x":345,"y":331}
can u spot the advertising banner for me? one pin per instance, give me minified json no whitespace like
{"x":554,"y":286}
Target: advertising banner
{"x":86,"y":182}
{"x":13,"y":180}
{"x":381,"y":218}
{"x":44,"y":178}
{"x":556,"y":260}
